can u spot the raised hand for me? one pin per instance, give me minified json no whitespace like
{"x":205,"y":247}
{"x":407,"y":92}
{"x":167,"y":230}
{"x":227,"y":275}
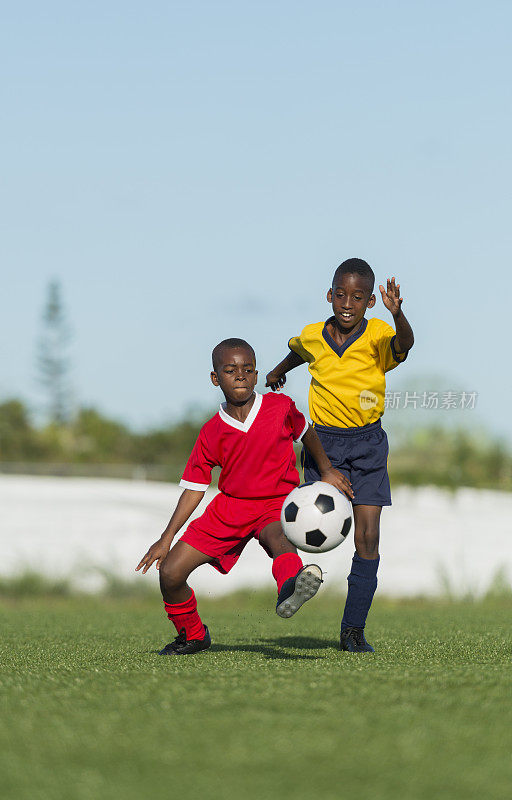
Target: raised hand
{"x":275,"y":380}
{"x":391,"y":296}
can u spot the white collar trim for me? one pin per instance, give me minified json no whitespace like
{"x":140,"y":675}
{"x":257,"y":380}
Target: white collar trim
{"x":242,"y":426}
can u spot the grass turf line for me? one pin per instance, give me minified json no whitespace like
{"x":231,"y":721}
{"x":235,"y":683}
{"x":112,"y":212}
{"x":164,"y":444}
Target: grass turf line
{"x":274,"y":710}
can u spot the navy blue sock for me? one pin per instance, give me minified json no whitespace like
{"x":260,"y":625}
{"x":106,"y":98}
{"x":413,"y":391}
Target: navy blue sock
{"x":362,"y":583}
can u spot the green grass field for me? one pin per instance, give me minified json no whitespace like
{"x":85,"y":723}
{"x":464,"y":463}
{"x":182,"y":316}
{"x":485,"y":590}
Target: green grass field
{"x":274,"y":710}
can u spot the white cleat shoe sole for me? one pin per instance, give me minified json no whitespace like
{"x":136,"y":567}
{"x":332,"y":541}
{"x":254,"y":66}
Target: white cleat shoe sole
{"x":306,"y":586}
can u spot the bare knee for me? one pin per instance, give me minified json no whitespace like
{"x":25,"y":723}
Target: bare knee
{"x":172,"y":576}
{"x":273,"y":538}
{"x":366,"y":540}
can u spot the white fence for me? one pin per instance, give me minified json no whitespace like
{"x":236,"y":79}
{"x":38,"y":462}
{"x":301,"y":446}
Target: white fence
{"x":68,"y":526}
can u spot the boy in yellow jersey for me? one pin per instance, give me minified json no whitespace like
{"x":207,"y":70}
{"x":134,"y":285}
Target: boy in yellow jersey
{"x":348,"y":357}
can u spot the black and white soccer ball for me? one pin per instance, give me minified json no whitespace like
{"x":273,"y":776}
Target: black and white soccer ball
{"x":316,"y":517}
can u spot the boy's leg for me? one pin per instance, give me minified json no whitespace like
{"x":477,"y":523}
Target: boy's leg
{"x":362,"y":581}
{"x":295,"y":583}
{"x":286,"y":563}
{"x":179,"y":599}
{"x":363,"y":459}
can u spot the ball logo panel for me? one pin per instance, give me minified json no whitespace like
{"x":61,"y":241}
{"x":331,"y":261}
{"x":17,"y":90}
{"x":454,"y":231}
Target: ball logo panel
{"x":316,"y":517}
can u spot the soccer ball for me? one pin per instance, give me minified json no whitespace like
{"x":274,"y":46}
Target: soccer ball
{"x":316,"y":517}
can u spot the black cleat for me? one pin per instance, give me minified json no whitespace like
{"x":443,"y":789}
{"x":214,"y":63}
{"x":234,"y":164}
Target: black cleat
{"x":183,"y":647}
{"x":352,"y":639}
{"x":295,"y":591}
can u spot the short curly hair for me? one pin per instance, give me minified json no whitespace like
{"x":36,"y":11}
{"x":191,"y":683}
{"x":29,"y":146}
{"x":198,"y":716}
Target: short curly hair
{"x":358,"y":266}
{"x":233,"y":342}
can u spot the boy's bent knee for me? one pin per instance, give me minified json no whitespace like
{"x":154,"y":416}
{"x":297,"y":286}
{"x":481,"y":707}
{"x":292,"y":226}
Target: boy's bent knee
{"x":272,"y":536}
{"x":171,"y":576}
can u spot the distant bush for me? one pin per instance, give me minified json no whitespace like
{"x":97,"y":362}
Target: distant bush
{"x":92,"y":438}
{"x":96,"y":437}
{"x":18,"y":439}
{"x":31,"y":584}
{"x":93,"y":444}
{"x":450,"y":459}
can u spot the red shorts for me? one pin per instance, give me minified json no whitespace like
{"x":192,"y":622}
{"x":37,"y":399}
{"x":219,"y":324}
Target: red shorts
{"x":226,"y":526}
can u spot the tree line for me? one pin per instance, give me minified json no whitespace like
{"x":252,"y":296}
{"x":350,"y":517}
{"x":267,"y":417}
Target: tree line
{"x":427,"y":456}
{"x":69,"y":440}
{"x":91,"y":437}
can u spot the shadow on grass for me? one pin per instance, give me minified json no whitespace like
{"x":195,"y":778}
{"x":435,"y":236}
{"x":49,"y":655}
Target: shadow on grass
{"x":264,"y":650}
{"x":277,"y":648}
{"x":302,"y":642}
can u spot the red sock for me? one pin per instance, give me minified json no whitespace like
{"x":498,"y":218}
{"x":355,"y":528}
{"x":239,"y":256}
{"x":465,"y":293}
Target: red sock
{"x":285,"y":566}
{"x":184,"y":615}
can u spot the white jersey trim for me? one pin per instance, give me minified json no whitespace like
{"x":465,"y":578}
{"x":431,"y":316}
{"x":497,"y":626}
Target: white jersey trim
{"x":196,"y":487}
{"x":242,"y":426}
{"x":303,"y":432}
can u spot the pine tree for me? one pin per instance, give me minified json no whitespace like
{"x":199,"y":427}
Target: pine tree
{"x":52,"y":358}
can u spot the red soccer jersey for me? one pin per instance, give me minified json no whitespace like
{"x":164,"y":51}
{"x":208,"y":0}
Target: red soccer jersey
{"x":256,"y":457}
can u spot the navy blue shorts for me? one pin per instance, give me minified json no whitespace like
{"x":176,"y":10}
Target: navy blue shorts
{"x":359,"y":453}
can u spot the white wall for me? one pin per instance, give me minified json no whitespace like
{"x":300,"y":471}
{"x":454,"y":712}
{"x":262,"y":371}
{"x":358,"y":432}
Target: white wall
{"x":66,"y":526}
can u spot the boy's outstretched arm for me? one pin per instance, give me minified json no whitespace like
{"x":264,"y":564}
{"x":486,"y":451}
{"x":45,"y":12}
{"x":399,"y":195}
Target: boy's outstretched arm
{"x":391,"y":298}
{"x":187,"y":504}
{"x":327,"y":472}
{"x":277,"y":376}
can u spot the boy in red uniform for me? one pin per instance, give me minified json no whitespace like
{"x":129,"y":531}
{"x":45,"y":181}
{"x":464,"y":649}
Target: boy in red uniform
{"x":250,"y":438}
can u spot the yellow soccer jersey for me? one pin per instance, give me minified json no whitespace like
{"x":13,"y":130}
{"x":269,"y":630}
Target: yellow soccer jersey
{"x":347,"y":383}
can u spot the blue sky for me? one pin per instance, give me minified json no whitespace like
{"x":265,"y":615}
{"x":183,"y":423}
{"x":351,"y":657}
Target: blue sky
{"x":191,"y":171}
